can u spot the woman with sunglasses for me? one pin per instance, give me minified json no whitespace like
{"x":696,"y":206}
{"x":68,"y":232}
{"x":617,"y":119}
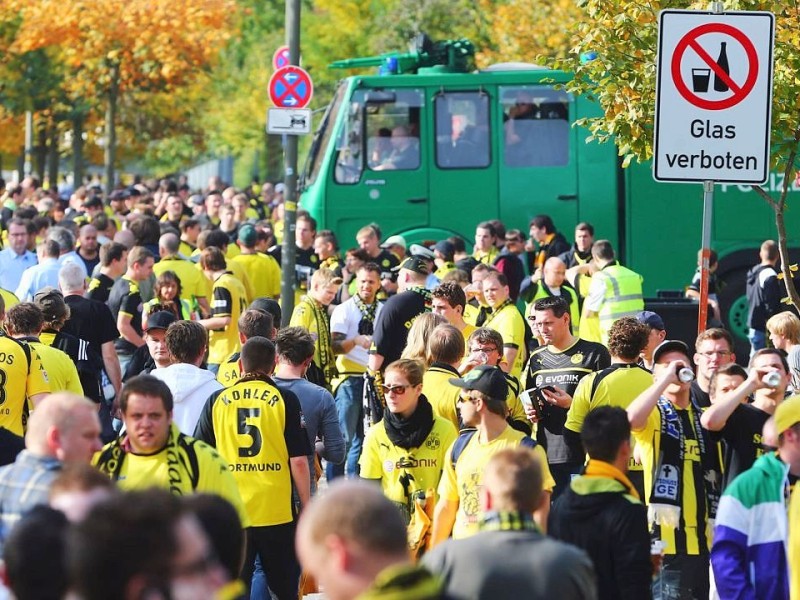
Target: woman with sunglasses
{"x":406,"y":450}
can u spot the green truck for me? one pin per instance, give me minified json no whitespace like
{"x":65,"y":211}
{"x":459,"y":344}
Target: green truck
{"x":500,"y":143}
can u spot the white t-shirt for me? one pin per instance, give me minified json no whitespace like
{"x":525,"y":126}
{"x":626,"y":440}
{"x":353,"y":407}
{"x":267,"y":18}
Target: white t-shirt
{"x":345,"y":319}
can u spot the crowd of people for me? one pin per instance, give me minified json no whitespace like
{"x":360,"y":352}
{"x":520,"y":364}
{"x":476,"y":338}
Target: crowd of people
{"x":431,"y":423}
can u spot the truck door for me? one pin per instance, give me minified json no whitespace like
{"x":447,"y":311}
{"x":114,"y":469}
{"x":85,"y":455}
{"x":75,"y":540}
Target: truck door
{"x":538,"y":158}
{"x":380,"y":173}
{"x":463,"y":182}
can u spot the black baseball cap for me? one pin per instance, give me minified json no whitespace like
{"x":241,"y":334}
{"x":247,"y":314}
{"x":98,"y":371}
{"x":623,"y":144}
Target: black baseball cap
{"x":160,"y":320}
{"x":416,"y":264}
{"x":486,"y":379}
{"x":52,"y":303}
{"x":671,"y":346}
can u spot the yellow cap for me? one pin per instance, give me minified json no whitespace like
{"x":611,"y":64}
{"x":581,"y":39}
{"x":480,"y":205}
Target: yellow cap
{"x":787,"y":414}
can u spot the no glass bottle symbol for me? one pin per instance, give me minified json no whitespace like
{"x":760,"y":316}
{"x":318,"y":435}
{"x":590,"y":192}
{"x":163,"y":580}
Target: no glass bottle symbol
{"x":694,"y":67}
{"x":701,"y":77}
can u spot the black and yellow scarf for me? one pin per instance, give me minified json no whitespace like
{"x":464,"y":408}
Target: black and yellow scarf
{"x":666,"y":497}
{"x":182,"y":461}
{"x":507,"y":521}
{"x":366,"y":326}
{"x":324,"y":357}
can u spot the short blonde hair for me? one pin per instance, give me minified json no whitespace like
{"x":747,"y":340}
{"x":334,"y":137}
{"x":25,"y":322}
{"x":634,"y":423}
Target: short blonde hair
{"x":786,"y":324}
{"x":323,"y":277}
{"x":513,"y":477}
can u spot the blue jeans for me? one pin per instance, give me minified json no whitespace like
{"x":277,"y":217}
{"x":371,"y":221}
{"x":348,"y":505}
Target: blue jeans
{"x":349,"y":398}
{"x":758,"y":340}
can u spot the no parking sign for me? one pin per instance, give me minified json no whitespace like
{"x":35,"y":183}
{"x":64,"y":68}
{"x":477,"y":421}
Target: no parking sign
{"x":713,"y":96}
{"x":290,"y":87}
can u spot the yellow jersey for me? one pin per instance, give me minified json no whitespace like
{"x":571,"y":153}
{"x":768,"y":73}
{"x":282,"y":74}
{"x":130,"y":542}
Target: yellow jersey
{"x":402,"y":472}
{"x":228,"y":300}
{"x":442,"y":394}
{"x":61,"y":371}
{"x":508,"y":322}
{"x":264,"y":274}
{"x":21,"y":376}
{"x":461,"y":483}
{"x":229,"y":371}
{"x":694,"y":536}
{"x":185,"y":465}
{"x":257,"y":429}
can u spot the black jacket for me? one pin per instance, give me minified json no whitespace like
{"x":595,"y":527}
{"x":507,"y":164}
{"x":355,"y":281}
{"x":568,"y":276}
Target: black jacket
{"x":557,"y":246}
{"x":597,"y":515}
{"x":763,"y":300}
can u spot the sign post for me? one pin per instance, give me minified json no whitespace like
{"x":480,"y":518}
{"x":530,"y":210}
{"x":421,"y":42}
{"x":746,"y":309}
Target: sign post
{"x":713,"y":106}
{"x":289,"y":248}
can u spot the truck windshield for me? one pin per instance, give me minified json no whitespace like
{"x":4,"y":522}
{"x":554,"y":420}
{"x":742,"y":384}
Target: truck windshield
{"x":381,"y":133}
{"x":322,"y":137}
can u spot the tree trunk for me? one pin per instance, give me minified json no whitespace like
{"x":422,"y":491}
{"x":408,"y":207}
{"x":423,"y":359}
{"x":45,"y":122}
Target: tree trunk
{"x":40,"y":150}
{"x":111,"y":128}
{"x":53,"y":155}
{"x":77,"y":150}
{"x":786,"y":271}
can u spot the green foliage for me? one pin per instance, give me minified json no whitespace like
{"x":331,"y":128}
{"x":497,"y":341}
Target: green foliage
{"x":624,"y":34}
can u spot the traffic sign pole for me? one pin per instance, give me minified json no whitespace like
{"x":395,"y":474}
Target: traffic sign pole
{"x":705,"y":253}
{"x":289,"y":250}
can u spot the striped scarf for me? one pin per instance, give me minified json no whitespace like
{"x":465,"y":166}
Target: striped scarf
{"x":324,"y":350}
{"x":507,"y":521}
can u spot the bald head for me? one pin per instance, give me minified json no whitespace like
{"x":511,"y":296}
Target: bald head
{"x":64,"y":426}
{"x":555,"y":271}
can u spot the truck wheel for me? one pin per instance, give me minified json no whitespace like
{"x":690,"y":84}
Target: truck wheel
{"x":737,"y":317}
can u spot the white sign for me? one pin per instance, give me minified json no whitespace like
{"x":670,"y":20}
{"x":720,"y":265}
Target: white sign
{"x":291,"y":121}
{"x":713,"y":96}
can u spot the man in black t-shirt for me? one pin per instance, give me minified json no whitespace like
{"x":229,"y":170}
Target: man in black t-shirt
{"x":87,"y":361}
{"x":399,"y":312}
{"x":125,"y":302}
{"x":92,"y":321}
{"x":561,"y":363}
{"x":739,"y":424}
{"x":113,"y":263}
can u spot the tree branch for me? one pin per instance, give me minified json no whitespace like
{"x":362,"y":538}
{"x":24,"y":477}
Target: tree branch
{"x":767,"y":198}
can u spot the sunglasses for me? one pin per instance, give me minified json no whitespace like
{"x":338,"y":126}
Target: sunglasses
{"x":398,"y":390}
{"x":464,"y":397}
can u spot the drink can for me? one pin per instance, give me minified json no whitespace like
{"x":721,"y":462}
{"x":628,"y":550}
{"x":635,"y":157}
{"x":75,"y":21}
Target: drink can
{"x":686,"y":375}
{"x":772,"y":379}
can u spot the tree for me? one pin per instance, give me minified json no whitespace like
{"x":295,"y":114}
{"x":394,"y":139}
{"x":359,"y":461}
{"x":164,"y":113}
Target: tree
{"x":521,"y":30}
{"x":622,"y":37}
{"x":113,"y":48}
